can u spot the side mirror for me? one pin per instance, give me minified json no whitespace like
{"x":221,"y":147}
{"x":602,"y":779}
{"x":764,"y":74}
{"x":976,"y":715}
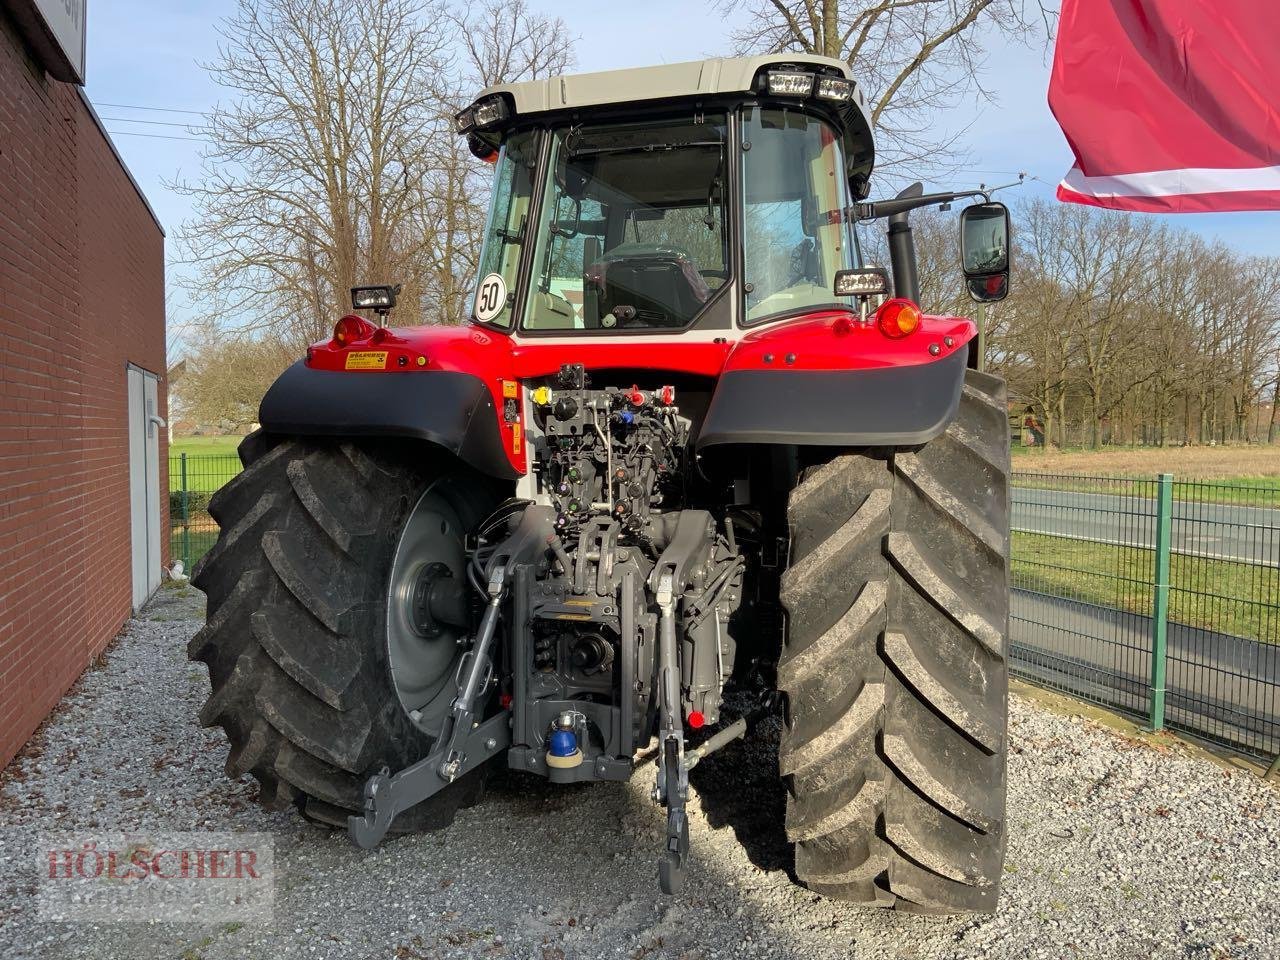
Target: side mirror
{"x":984,"y":250}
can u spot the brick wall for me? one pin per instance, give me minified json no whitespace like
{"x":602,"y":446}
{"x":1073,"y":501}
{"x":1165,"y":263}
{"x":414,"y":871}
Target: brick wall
{"x":81,"y":296}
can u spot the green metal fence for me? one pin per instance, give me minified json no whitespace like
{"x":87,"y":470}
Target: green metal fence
{"x":193,"y":480}
{"x":1156,"y":597}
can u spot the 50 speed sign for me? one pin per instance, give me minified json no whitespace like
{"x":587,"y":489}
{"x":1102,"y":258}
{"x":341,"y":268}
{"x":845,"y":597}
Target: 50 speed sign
{"x":491,"y":297}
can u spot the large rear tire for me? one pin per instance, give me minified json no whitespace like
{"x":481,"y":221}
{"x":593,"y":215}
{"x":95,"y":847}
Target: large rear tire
{"x":296,"y":638}
{"x":894,"y":667}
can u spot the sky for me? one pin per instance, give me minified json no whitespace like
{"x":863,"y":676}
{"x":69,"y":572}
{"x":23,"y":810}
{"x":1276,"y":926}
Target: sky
{"x":147,"y":55}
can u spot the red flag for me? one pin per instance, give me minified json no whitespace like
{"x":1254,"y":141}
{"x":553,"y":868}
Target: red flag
{"x":1171,"y":106}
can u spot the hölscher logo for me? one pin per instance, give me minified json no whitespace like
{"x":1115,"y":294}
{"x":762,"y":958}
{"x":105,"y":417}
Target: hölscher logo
{"x":156,"y":877}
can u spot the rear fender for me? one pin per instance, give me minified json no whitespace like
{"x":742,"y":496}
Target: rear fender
{"x":451,"y":409}
{"x":828,"y":381}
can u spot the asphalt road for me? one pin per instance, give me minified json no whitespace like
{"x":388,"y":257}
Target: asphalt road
{"x":1217,"y":685}
{"x":1218,"y":530}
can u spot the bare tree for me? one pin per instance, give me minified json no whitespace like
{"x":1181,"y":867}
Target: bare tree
{"x":334,"y":161}
{"x":1273,"y":422}
{"x":1121,"y":329}
{"x":224,"y":376}
{"x":317,"y":163}
{"x":914,"y":58}
{"x":502,"y":42}
{"x":506,"y":42}
{"x":1038,"y":346}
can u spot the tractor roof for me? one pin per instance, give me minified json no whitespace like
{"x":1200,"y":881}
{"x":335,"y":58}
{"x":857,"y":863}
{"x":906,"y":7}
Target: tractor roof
{"x":689,"y":81}
{"x":666,"y":82}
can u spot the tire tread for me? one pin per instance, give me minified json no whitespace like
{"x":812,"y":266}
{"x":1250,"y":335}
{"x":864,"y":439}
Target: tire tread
{"x":895,"y":760}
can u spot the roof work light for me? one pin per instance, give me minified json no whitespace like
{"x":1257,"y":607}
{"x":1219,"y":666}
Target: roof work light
{"x":482,"y":115}
{"x":790,"y":83}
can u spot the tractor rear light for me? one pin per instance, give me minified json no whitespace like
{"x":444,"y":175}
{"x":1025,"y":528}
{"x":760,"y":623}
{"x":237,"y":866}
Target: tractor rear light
{"x":835,"y":88}
{"x":351,"y":329}
{"x":897,"y":318}
{"x":790,"y":83}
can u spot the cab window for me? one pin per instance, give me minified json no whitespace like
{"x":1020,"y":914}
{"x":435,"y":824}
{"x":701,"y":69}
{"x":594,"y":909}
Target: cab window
{"x":632,"y":233}
{"x":796,"y":226}
{"x":506,"y":232}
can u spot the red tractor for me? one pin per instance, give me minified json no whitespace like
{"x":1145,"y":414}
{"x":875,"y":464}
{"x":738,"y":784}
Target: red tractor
{"x":687,"y":440}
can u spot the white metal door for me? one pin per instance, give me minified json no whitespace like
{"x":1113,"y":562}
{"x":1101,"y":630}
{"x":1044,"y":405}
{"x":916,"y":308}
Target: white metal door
{"x":144,"y":483}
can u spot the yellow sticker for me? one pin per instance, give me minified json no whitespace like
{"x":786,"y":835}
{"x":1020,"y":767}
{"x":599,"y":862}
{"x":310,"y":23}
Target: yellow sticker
{"x":515,"y":438}
{"x":509,"y":389}
{"x":367,"y":360}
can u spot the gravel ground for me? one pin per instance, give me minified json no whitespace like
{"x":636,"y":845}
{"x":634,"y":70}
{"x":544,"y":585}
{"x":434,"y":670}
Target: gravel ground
{"x":1118,"y":849}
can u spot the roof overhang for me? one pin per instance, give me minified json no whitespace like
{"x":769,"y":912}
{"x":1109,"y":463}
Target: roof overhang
{"x":55,"y":32}
{"x":694,"y":81}
{"x":697,"y":78}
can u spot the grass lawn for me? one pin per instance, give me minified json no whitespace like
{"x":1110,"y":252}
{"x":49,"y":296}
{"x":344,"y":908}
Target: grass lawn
{"x":211,"y":462}
{"x":1252,"y":464}
{"x":1247,"y":475}
{"x":204,"y":446}
{"x":1236,"y":598}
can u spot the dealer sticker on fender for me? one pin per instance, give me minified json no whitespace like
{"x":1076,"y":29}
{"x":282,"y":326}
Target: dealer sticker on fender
{"x":367,"y":360}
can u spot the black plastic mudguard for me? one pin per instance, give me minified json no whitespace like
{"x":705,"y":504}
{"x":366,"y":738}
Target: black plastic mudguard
{"x":453,"y":410}
{"x":883,"y":407}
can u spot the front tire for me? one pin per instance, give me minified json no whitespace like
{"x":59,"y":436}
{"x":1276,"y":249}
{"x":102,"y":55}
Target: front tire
{"x":895,"y":667}
{"x":296,"y":634}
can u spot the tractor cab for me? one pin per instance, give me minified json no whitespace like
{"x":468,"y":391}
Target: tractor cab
{"x":688,"y":198}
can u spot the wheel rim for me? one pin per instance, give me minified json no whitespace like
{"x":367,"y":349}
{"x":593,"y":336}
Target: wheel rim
{"x":423,"y":653}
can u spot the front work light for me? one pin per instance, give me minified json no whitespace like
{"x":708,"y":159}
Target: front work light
{"x":835,"y":88}
{"x":790,"y":83}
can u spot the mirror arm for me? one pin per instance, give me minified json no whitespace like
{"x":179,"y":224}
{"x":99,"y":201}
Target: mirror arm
{"x":902,"y":257}
{"x":887,"y":208}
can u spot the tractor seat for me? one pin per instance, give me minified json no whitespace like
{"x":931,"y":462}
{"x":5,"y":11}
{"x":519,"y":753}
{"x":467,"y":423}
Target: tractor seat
{"x":660,"y":281}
